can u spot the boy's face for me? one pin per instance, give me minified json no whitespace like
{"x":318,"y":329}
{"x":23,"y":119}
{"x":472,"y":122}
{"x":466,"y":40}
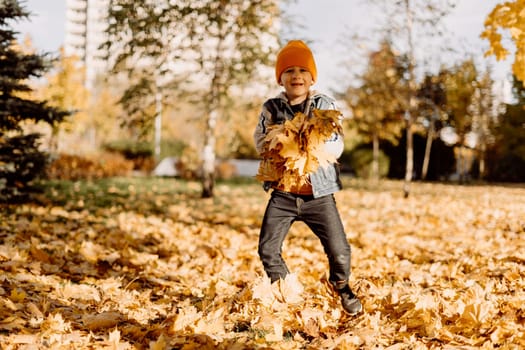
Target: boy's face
{"x":296,"y":82}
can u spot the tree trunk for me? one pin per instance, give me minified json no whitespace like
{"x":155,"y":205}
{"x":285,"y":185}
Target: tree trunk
{"x":158,"y":125}
{"x":208,"y":156}
{"x":482,"y":152}
{"x":409,"y":169}
{"x":53,"y":140}
{"x":375,"y":158}
{"x":208,"y":159}
{"x":460,"y":162}
{"x":483,"y":145}
{"x":411,"y":88}
{"x":428,"y":146}
{"x":216,"y":86}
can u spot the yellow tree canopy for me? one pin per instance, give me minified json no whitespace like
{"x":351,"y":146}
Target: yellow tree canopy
{"x":65,"y":84}
{"x":510,"y":16}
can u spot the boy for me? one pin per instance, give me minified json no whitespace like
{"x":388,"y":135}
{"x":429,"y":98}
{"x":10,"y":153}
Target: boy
{"x":313,"y":202}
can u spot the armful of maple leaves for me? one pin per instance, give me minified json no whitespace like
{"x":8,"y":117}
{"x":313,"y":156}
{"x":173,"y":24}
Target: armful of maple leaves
{"x":296,"y":148}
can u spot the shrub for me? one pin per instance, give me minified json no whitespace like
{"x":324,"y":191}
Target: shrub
{"x":361,"y":162}
{"x":171,"y":148}
{"x":188,"y":165}
{"x":130,"y":149}
{"x":225,"y":170}
{"x":74,"y":167}
{"x":139,"y":153}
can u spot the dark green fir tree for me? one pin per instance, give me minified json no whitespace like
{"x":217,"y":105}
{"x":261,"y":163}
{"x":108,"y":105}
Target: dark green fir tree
{"x":21,"y":160}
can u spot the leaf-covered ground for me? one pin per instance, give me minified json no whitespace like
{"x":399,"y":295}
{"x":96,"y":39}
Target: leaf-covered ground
{"x":147,"y":264}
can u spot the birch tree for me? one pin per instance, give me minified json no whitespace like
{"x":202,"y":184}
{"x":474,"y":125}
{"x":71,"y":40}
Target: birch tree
{"x":218,"y":45}
{"x":484,"y":112}
{"x":235,"y":37}
{"x":431,"y":102}
{"x":403,"y":19}
{"x":148,"y":42}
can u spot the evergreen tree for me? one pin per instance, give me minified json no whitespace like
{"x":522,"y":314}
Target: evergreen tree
{"x":21,"y":160}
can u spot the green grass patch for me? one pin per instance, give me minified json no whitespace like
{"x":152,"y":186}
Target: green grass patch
{"x":146,"y":193}
{"x":150,"y":195}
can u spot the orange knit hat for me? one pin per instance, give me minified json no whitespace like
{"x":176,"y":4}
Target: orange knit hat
{"x":295,"y":53}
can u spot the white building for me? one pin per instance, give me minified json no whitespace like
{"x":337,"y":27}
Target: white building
{"x":86,"y":22}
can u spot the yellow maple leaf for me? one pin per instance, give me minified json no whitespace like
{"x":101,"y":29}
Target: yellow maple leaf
{"x":268,"y":170}
{"x":160,"y":344}
{"x":17,"y":295}
{"x":327,"y":121}
{"x":263,"y":291}
{"x":291,"y":289}
{"x":102,"y":320}
{"x":290,"y":146}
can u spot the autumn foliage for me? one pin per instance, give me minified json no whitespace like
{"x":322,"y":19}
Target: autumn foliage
{"x":148,"y":264}
{"x":507,"y":17}
{"x":75,"y":167}
{"x":295,"y":148}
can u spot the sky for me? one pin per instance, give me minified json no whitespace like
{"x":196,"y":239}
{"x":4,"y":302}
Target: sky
{"x":324,"y":27}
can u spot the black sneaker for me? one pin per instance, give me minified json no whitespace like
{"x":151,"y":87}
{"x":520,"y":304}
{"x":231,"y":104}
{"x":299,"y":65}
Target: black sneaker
{"x":350,"y":302}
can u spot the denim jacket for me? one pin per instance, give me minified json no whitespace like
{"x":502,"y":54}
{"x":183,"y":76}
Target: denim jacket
{"x":277,"y":110}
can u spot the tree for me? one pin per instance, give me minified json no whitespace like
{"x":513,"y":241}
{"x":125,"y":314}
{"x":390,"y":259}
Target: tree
{"x":508,"y":150}
{"x":404,"y":19}
{"x":460,"y":86}
{"x":377,"y":104}
{"x":218,"y":43}
{"x":95,"y":111}
{"x":432,"y":99}
{"x":484,"y":118}
{"x":148,"y":41}
{"x":239,"y":32}
{"x":508,"y":15}
{"x":65,"y":89}
{"x":21,"y":160}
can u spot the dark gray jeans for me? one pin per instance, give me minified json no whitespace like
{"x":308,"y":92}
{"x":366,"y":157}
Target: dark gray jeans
{"x":320,"y":215}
